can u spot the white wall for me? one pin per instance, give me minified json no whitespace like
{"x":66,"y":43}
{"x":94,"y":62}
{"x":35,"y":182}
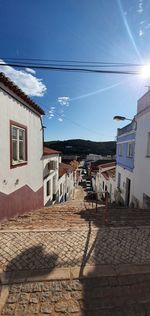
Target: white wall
{"x":98,"y":183}
{"x":142,"y":163}
{"x":32,"y":173}
{"x":67,"y":181}
{"x":112,"y":182}
{"x":63,"y":182}
{"x":49,"y":175}
{"x":125,"y":174}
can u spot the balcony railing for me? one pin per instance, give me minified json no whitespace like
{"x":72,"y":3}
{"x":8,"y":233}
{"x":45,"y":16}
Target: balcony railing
{"x":126,"y":129}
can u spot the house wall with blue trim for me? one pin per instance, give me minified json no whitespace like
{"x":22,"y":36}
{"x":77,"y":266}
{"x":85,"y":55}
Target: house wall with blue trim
{"x":125,"y":163}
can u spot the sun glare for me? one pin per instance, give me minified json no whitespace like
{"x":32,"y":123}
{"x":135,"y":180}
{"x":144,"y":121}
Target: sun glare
{"x":145,"y":71}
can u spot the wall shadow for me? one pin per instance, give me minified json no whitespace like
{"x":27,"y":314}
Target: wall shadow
{"x":118,"y":295}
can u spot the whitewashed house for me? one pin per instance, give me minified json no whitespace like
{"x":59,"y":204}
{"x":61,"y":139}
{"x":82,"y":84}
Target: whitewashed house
{"x":51,"y":160}
{"x":141,"y":196}
{"x":21,"y":149}
{"x":66,"y":182}
{"x":105,"y":180}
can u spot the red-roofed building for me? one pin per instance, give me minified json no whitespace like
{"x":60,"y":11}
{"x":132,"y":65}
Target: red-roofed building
{"x":105,"y":180}
{"x":49,"y":151}
{"x":51,"y":160}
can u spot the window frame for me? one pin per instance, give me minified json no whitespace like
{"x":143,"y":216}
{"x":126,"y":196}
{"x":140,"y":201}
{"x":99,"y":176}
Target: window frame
{"x":18,"y":163}
{"x":120,"y":150}
{"x":128,"y":151}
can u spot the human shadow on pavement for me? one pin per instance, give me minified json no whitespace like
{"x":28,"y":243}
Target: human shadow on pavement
{"x":32,"y":261}
{"x":110,"y":294}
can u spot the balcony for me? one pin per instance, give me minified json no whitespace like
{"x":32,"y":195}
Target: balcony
{"x":126,"y":129}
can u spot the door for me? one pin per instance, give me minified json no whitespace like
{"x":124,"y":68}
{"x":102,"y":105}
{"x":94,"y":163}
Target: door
{"x":128,"y":186}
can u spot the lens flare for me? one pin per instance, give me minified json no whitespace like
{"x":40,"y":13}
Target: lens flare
{"x":145,"y":71}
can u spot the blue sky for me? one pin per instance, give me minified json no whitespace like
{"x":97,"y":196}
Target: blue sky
{"x":77,"y":105}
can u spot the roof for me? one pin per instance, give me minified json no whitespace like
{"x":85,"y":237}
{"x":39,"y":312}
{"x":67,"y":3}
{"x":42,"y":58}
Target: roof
{"x":14,"y":88}
{"x":109,"y":173}
{"x":64,"y":168}
{"x":49,"y":151}
{"x":108,"y":165}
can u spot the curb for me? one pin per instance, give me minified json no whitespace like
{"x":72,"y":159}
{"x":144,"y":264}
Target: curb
{"x":73,"y":273}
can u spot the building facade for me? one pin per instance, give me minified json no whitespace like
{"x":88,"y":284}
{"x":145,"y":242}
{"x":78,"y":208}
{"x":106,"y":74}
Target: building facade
{"x":51,"y":160}
{"x":21,"y":148}
{"x":66,"y":182}
{"x":125,"y":153}
{"x":104,"y":180}
{"x":142,"y":153}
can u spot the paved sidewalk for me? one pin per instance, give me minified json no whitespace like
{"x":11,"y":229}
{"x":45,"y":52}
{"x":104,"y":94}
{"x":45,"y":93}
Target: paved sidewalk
{"x":106,"y":296}
{"x":46,"y":250}
{"x":96,"y":269}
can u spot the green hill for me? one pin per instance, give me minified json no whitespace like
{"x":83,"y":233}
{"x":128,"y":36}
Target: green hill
{"x":83,"y":147}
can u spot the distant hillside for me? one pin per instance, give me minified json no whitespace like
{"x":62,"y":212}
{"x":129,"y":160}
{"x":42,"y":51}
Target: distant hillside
{"x":83,"y":147}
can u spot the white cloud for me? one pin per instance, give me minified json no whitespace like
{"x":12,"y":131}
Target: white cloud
{"x":60,"y":119}
{"x":141,"y":33}
{"x":51,"y":112}
{"x":27,"y":82}
{"x":30,"y":70}
{"x":63,"y":100}
{"x":140,"y":6}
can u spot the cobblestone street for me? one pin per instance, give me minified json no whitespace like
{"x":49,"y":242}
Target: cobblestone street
{"x":44,"y":250}
{"x":73,"y":240}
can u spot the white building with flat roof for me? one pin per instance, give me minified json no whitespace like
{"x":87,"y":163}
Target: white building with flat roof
{"x":142,"y":153}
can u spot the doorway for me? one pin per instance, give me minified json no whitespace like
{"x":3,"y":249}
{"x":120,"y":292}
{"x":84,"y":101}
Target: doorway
{"x":128,"y":186}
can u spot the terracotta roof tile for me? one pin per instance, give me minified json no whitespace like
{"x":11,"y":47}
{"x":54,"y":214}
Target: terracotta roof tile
{"x":48,"y":151}
{"x":14,"y":88}
{"x":64,"y":168}
{"x":109,"y":164}
{"x":109,"y":173}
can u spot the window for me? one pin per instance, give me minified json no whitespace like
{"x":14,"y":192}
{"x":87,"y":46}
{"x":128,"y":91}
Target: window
{"x":119,"y":179}
{"x":130,"y":149}
{"x":120,"y":149}
{"x":48,"y":188}
{"x":18,"y":144}
{"x":148,"y":145}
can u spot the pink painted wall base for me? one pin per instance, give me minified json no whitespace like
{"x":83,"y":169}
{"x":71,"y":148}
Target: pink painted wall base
{"x":21,"y":201}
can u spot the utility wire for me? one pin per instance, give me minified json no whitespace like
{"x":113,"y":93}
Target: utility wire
{"x":70,"y":69}
{"x":72,"y":61}
{"x":73,"y":122}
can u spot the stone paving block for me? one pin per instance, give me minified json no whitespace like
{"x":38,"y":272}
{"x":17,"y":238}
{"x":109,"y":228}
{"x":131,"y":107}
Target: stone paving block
{"x":33,"y":309}
{"x":61,"y":307}
{"x":45,"y":296}
{"x":8,"y":309}
{"x":46,"y":308}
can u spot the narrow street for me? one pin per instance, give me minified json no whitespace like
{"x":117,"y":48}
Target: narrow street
{"x":63,"y":260}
